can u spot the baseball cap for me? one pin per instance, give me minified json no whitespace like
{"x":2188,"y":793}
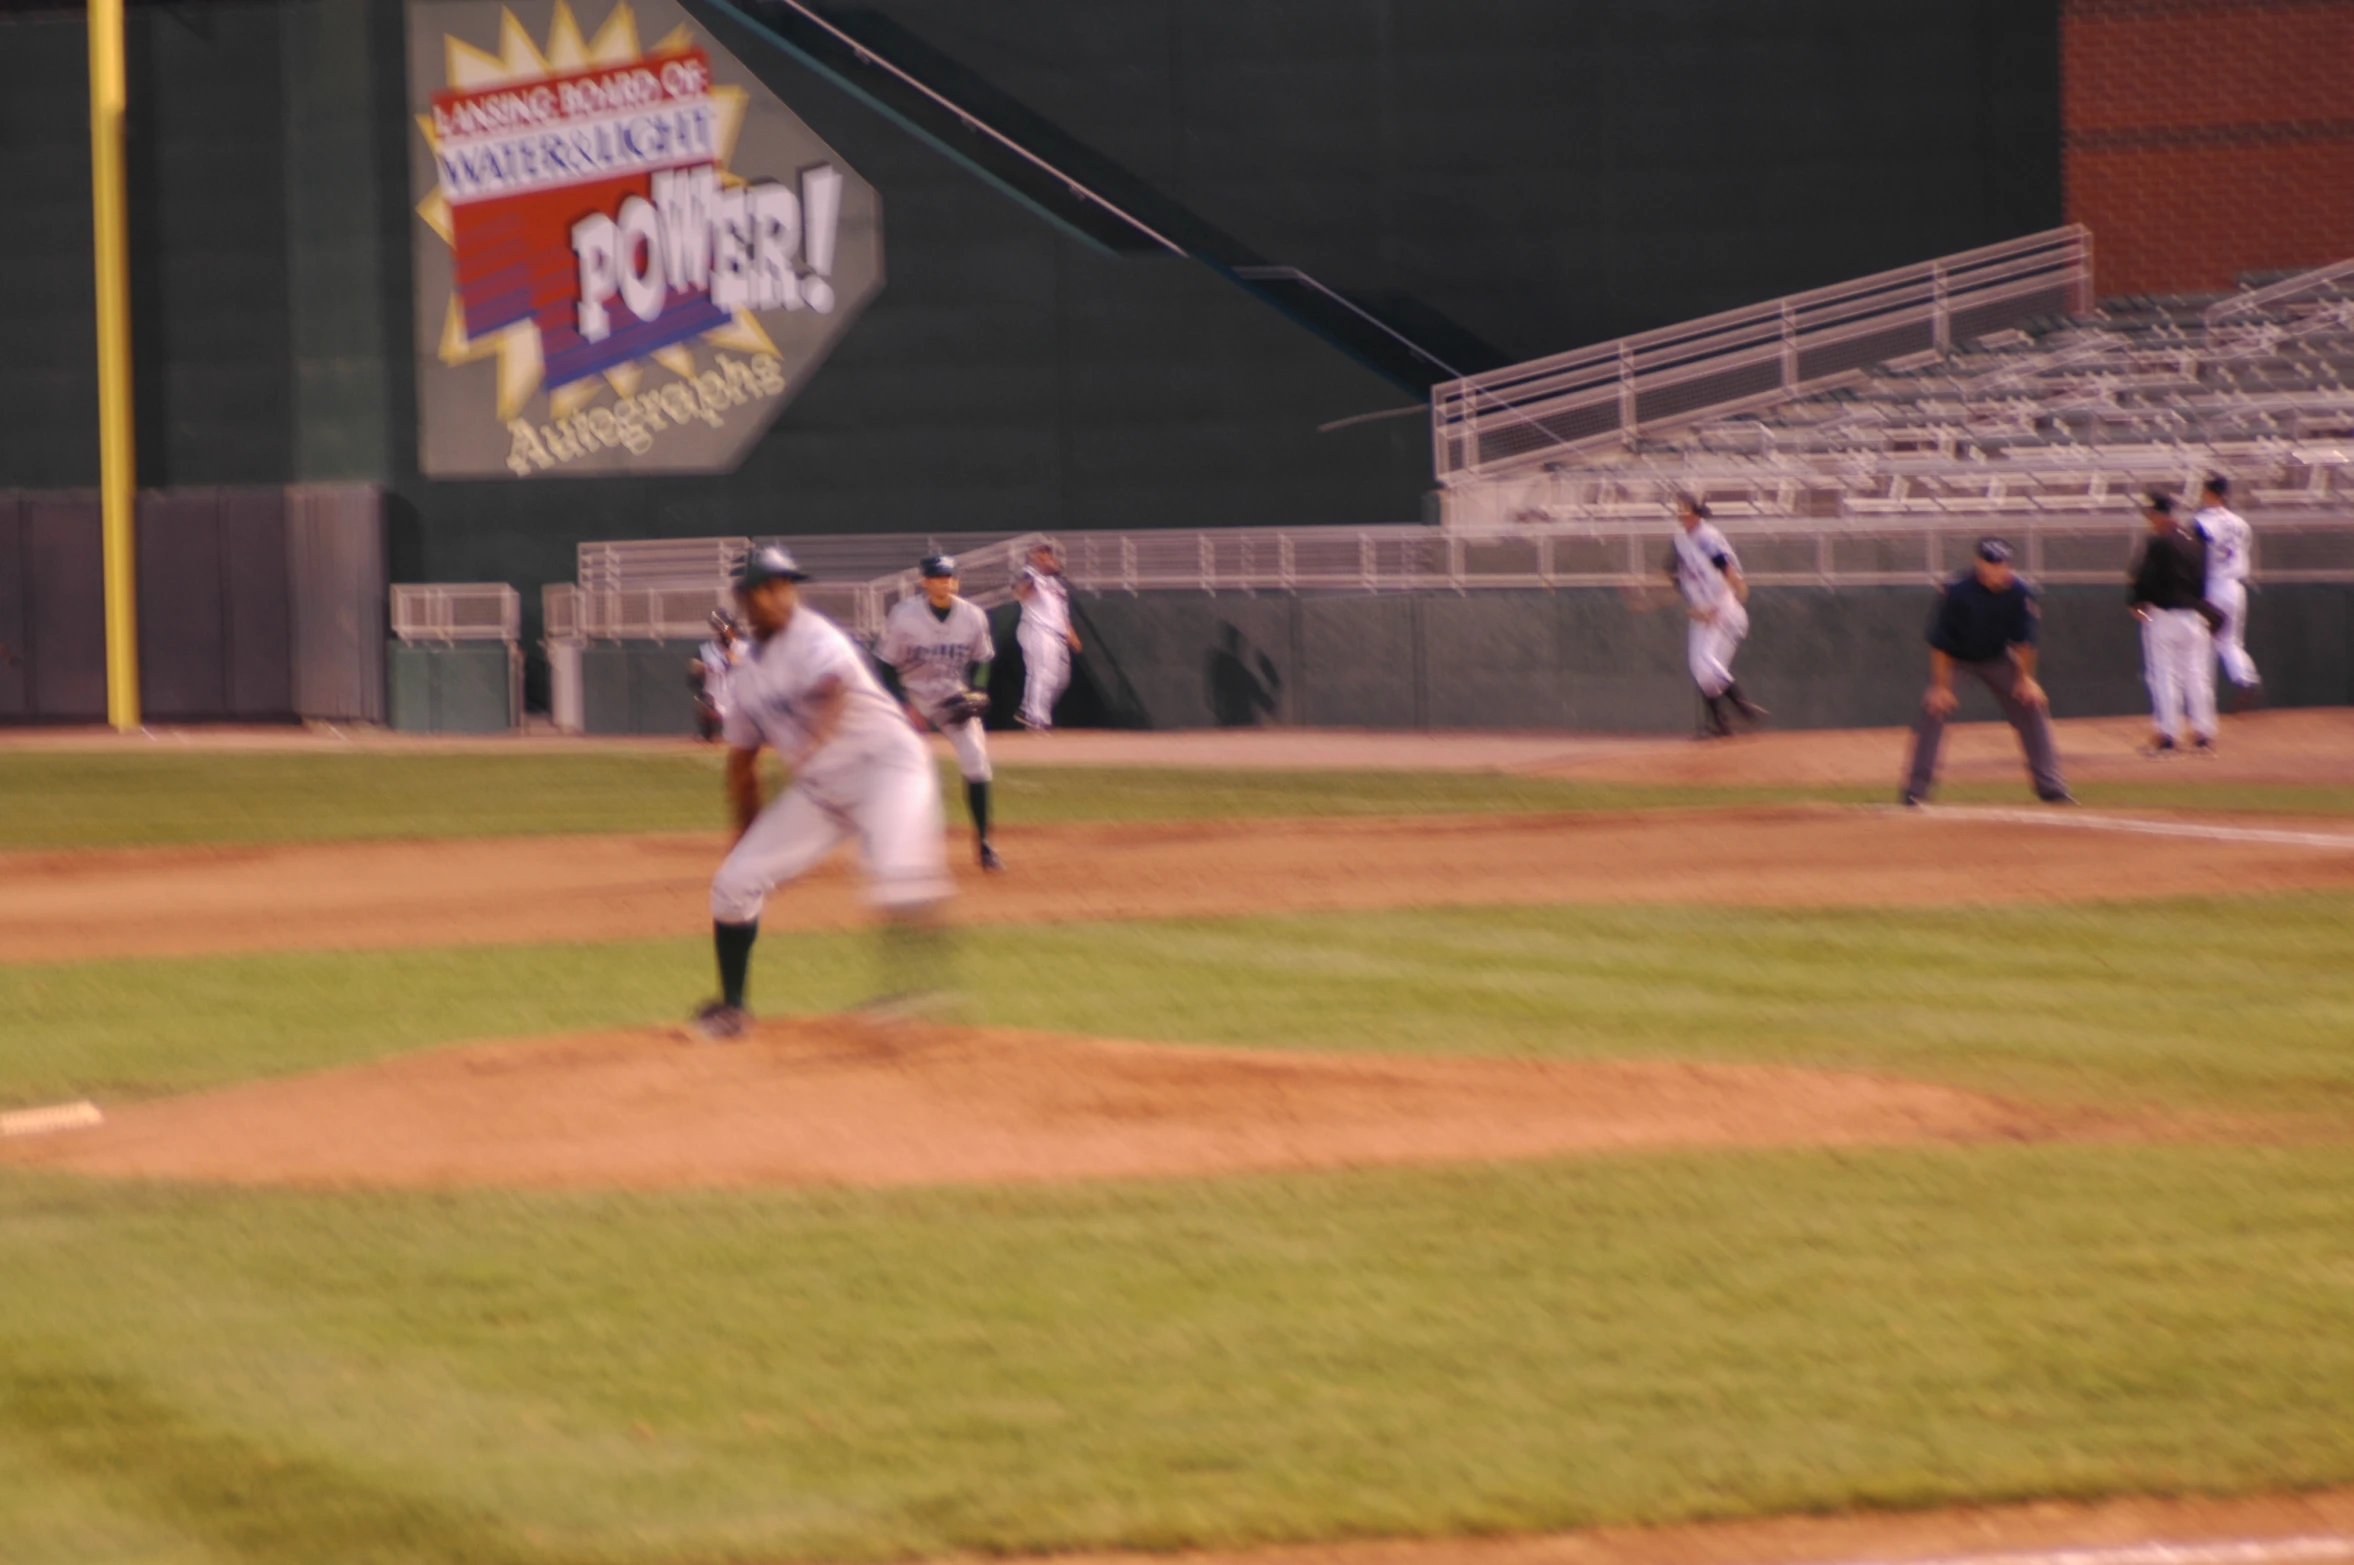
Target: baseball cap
{"x":937,"y":565}
{"x":2217,"y":483}
{"x":1994,"y":551}
{"x":768,"y":564}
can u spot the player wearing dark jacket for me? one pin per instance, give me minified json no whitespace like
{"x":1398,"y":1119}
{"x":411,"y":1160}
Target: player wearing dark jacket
{"x":2168,"y":596}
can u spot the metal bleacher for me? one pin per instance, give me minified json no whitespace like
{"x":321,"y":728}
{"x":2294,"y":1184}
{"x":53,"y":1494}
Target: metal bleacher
{"x":2048,"y":413}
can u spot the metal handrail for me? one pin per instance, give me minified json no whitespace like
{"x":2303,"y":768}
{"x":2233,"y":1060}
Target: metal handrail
{"x":2224,"y":310}
{"x":457,"y":611}
{"x":1746,"y":357}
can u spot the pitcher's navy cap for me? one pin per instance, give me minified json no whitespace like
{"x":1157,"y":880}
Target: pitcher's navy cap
{"x":768,"y":564}
{"x":1994,"y":551}
{"x":937,"y":565}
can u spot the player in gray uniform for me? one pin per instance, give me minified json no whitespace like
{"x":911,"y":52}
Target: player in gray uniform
{"x":714,"y":665}
{"x":1045,"y":634}
{"x":2229,"y":544}
{"x":935,"y":652}
{"x":858,"y":770}
{"x":1702,"y":567}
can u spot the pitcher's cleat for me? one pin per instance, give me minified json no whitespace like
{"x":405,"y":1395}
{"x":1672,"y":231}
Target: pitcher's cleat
{"x":720,"y":1022}
{"x":2160,"y":746}
{"x":989,"y":859}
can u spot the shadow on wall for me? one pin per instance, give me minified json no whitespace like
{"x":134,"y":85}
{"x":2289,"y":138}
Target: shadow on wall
{"x":1241,"y":681}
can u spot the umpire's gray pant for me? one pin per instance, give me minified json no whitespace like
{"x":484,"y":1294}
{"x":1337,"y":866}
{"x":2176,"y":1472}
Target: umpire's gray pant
{"x":2034,"y":724}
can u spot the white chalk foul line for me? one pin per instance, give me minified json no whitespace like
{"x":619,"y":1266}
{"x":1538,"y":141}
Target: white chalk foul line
{"x":54,"y":1117}
{"x":2242,"y":1551}
{"x":2076,"y":820}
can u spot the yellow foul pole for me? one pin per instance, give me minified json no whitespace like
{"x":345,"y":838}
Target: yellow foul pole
{"x":116,"y":475}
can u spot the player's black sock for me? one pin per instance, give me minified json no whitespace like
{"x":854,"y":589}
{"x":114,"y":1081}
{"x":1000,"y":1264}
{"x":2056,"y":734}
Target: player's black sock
{"x":976,"y":798}
{"x":1718,"y":723}
{"x":734,"y":944}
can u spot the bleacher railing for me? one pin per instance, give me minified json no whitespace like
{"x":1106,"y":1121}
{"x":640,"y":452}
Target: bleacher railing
{"x":2089,"y":550}
{"x":457,"y":611}
{"x":1611,"y":393}
{"x":2334,"y":281}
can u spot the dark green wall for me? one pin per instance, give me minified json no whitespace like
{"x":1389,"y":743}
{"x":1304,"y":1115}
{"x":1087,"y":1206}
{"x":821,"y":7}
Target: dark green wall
{"x":1578,"y":659}
{"x":1550,"y":172}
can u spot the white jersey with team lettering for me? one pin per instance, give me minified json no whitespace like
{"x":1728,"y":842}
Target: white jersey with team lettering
{"x":773,"y":691}
{"x":1046,"y":603}
{"x":2228,"y":536}
{"x":932,"y":650}
{"x":1704,"y":562}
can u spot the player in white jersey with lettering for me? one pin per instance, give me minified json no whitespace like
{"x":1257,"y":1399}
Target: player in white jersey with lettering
{"x":2229,"y":540}
{"x":1045,"y":634}
{"x":1707,"y":573}
{"x":858,"y":770}
{"x":935,"y":650}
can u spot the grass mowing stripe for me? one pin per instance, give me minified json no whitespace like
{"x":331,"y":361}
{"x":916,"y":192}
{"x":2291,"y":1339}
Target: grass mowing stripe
{"x":163,"y":797}
{"x":508,"y":1378}
{"x":2244,"y":1003}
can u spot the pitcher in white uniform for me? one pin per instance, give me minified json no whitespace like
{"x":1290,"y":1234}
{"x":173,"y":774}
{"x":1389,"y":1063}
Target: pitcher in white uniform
{"x":1706,"y":571}
{"x":1045,"y":634}
{"x":858,"y":770}
{"x":936,"y":650}
{"x":2229,"y":543}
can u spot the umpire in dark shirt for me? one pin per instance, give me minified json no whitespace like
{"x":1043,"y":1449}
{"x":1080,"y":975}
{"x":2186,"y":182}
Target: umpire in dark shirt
{"x":1986,"y":623}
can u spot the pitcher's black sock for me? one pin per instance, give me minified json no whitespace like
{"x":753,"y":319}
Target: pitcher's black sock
{"x":734,"y":944}
{"x":976,"y":798}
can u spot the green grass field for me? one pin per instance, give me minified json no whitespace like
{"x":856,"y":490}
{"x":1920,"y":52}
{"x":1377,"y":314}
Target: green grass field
{"x":203,"y":1376}
{"x":75,"y":799}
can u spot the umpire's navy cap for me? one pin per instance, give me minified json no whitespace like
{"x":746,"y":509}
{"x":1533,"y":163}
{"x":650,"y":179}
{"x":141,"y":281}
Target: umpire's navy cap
{"x":1994,"y":551}
{"x":937,"y":565}
{"x":768,"y":564}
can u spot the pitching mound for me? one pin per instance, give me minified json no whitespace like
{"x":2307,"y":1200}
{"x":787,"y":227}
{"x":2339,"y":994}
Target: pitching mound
{"x":830,"y":1101}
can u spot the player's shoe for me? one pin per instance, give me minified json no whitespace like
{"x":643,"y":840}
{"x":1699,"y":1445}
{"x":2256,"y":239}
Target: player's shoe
{"x":2159,"y":746}
{"x":1910,"y":800}
{"x":720,"y":1022}
{"x":989,"y":859}
{"x":2203,"y":747}
{"x":2062,"y":797}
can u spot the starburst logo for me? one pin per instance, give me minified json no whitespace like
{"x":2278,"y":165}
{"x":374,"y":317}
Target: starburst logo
{"x":596,"y":229}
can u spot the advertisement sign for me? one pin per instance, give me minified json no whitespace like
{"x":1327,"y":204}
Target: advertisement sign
{"x":629,"y":255}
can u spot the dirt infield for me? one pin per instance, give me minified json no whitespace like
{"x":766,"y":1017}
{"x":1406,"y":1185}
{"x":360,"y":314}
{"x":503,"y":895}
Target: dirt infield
{"x":189,"y":901}
{"x":836,"y":1101}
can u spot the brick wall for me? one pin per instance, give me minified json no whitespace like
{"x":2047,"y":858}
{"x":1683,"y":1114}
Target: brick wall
{"x":2204,"y":138}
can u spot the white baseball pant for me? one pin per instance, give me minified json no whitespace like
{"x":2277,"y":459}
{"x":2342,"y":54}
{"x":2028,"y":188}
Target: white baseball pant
{"x":970,"y":742}
{"x":2231,"y":636}
{"x":889,"y":800}
{"x":1046,"y":659}
{"x":1712,"y":642}
{"x":2178,"y":662}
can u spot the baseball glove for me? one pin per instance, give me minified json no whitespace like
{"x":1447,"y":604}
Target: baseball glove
{"x":965,"y":706}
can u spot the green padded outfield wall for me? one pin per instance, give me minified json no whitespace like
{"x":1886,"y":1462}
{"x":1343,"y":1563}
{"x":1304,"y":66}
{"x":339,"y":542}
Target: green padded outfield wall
{"x":1543,"y":172}
{"x":1578,"y":659}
